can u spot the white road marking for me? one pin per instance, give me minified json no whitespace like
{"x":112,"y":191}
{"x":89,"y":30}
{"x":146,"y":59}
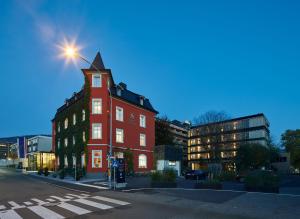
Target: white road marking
{"x":28,"y":203}
{"x":15,"y":205}
{"x":86,"y":195}
{"x":50,"y":200}
{"x":69,"y":197}
{"x":93,"y":204}
{"x":45,"y":212}
{"x":40,"y":202}
{"x":2,"y":207}
{"x":111,"y":200}
{"x":78,"y":196}
{"x":10,"y":214}
{"x":59,"y":198}
{"x":92,"y":186}
{"x":73,"y":208}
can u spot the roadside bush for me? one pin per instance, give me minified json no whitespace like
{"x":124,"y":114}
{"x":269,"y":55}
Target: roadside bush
{"x":40,"y":171}
{"x":261,"y":180}
{"x":169,"y":175}
{"x":61,"y":173}
{"x":46,"y":171}
{"x":156,"y":177}
{"x":227,"y":176}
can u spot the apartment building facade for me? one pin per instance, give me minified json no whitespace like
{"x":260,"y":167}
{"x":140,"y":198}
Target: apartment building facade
{"x":218,"y":142}
{"x":81,"y":127}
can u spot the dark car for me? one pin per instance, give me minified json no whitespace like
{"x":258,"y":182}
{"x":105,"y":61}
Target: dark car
{"x":196,"y":174}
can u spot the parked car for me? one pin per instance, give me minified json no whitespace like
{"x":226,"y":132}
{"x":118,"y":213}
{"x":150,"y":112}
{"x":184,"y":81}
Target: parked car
{"x":196,"y":174}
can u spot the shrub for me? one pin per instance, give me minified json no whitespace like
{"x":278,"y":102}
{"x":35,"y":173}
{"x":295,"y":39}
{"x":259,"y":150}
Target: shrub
{"x":40,"y":171}
{"x":169,"y":175}
{"x":261,"y":179}
{"x":54,"y":175}
{"x":46,"y":171}
{"x":227,"y":176}
{"x":156,"y":177}
{"x":61,"y":173}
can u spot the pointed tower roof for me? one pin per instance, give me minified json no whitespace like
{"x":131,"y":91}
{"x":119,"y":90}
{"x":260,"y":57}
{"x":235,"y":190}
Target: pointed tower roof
{"x":98,"y":63}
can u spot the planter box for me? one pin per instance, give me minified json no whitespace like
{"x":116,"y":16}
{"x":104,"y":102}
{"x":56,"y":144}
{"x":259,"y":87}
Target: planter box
{"x":262,"y":189}
{"x":208,"y":186}
{"x":163,"y":184}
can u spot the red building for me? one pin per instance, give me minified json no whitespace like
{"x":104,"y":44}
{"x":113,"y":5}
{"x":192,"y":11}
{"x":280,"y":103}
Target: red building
{"x":81,"y":127}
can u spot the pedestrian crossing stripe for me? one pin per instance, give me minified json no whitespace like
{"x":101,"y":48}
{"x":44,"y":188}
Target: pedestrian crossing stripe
{"x":40,"y":207}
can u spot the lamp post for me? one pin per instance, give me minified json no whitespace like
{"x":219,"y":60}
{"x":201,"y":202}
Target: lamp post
{"x":71,"y":51}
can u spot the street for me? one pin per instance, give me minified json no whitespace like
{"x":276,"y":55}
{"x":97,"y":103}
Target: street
{"x":28,"y":196}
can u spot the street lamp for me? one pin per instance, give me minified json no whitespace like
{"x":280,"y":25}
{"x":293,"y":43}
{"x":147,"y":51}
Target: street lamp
{"x":71,"y":51}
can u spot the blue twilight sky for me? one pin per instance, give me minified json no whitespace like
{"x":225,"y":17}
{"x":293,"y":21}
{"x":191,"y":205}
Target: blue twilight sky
{"x":188,"y":57}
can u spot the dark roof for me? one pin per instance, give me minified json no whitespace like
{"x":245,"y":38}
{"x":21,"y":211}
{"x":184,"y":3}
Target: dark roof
{"x":230,"y":120}
{"x":13,"y":139}
{"x":132,"y":98}
{"x":97,"y":64}
{"x":180,"y":124}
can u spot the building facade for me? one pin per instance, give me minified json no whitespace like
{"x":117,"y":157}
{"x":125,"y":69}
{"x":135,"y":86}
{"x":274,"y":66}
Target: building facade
{"x":103,"y":113}
{"x":218,"y":142}
{"x":39,"y":153}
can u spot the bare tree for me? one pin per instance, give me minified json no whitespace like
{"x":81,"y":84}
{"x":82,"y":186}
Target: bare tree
{"x":211,"y":117}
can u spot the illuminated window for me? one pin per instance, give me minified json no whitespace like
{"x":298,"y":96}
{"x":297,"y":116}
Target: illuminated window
{"x":143,"y":121}
{"x":97,"y":131}
{"x":66,"y":161}
{"x":74,"y":141}
{"x":119,"y":113}
{"x":96,"y":106}
{"x":142,"y":161}
{"x":58,"y":127}
{"x":83,"y":115}
{"x":142,"y":140}
{"x":66,"y":123}
{"x":96,"y":80}
{"x":83,"y":137}
{"x":74,"y":119}
{"x":119,"y":135}
{"x":96,"y":158}
{"x":66,"y":142}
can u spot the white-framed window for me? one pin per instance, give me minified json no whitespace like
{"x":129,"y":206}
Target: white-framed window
{"x":143,"y":121}
{"x":58,"y":127}
{"x":83,"y":115}
{"x":83,"y":160}
{"x":74,"y":161}
{"x":142,"y":140}
{"x":66,"y":123}
{"x":142,"y":161}
{"x":119,"y":114}
{"x":96,"y":130}
{"x":58,"y":144}
{"x":74,"y":119}
{"x":96,"y":158}
{"x":74,"y":141}
{"x":66,"y":142}
{"x":83,"y":137}
{"x":96,"y":80}
{"x":120,"y":135}
{"x":96,"y":106}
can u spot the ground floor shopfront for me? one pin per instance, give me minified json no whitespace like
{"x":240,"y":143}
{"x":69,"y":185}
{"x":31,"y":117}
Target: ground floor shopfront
{"x":40,"y":160}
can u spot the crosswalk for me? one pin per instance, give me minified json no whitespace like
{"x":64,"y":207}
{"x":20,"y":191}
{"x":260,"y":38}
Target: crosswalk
{"x":58,"y":207}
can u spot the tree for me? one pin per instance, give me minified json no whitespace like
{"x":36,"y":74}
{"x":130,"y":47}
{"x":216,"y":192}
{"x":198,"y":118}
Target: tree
{"x":128,"y":155}
{"x":290,"y":140}
{"x":252,"y":156}
{"x":163,"y":135}
{"x":211,"y":117}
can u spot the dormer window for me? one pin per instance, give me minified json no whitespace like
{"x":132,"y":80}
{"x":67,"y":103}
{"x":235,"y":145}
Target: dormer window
{"x":96,"y":80}
{"x":142,"y":100}
{"x":119,"y":92}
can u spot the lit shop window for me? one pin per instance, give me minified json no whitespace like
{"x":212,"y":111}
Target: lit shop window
{"x":96,"y":106}
{"x":96,"y":80}
{"x":143,"y":121}
{"x":119,"y":113}
{"x":74,"y":119}
{"x":97,"y":131}
{"x":142,"y":139}
{"x":96,"y":158}
{"x":142,"y":161}
{"x":119,"y":135}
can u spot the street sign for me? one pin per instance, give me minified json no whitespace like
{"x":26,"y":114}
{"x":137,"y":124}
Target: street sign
{"x":115,"y":163}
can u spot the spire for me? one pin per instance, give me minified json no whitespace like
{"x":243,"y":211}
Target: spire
{"x":97,"y":62}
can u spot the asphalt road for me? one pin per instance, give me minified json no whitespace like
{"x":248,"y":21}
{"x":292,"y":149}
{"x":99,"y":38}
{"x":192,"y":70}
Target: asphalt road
{"x":23,"y":196}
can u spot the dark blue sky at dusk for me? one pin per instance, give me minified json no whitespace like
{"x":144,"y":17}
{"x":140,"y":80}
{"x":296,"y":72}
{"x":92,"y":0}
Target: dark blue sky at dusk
{"x":187,"y":57}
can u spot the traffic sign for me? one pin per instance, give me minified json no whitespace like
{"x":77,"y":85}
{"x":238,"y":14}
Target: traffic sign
{"x":115,"y":163}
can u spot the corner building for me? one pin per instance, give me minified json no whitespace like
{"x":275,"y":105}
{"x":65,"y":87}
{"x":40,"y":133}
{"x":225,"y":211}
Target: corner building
{"x":81,"y":127}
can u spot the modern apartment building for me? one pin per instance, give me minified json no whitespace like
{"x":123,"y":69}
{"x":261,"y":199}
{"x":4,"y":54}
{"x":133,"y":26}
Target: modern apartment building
{"x":218,"y":142}
{"x":102,"y":113}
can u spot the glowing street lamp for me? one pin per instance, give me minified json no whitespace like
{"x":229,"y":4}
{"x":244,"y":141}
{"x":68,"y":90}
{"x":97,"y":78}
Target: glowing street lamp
{"x":71,"y":51}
